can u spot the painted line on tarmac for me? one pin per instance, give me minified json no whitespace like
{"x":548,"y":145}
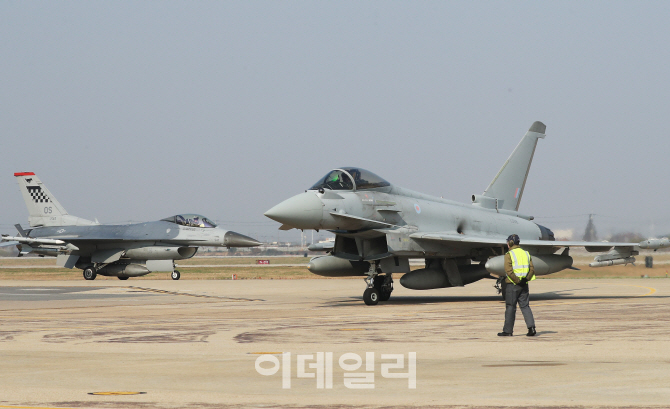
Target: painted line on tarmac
{"x":651,"y":289}
{"x":33,"y":267}
{"x":116,"y":393}
{"x":524,"y":364}
{"x":89,"y":307}
{"x":539,"y":303}
{"x":264,"y":353}
{"x":240,"y":265}
{"x":153,"y":290}
{"x":10,"y":267}
{"x":34,"y":407}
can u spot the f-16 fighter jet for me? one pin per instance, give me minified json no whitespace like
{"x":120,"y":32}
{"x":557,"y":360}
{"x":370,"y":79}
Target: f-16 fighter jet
{"x":112,"y":250}
{"x":380,"y":226}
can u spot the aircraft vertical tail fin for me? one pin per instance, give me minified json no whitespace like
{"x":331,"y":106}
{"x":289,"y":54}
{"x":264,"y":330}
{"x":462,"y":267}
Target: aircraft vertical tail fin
{"x":509,"y":183}
{"x":43,"y":208}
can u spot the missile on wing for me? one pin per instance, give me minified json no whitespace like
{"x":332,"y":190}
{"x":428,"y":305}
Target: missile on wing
{"x":29,"y":240}
{"x":655,"y":243}
{"x":431,"y":278}
{"x":331,"y":266}
{"x":544,"y":264}
{"x":607,"y":263}
{"x":325,"y":246}
{"x":615,"y":257}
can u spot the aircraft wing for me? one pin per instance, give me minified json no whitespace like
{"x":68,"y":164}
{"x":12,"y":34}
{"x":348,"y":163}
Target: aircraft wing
{"x":618,"y":253}
{"x":492,"y":241}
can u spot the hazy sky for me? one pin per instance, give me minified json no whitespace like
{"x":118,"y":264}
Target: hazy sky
{"x":141,"y":110}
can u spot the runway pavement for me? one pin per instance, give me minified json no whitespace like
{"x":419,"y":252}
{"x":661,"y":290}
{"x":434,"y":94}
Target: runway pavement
{"x":189,"y":343}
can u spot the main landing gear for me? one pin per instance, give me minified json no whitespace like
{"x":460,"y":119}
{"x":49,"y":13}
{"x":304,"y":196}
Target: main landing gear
{"x":90,"y":273}
{"x":175,"y":275}
{"x":501,"y":286}
{"x":379,"y":288}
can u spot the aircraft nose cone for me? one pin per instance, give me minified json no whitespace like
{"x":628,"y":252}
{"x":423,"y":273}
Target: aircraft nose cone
{"x":232,"y":239}
{"x":303,"y":211}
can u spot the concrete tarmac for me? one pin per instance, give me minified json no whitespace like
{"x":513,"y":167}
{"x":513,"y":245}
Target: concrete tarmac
{"x":192,"y":344}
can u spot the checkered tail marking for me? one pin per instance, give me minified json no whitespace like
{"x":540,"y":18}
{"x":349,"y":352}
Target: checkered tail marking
{"x":37,"y":194}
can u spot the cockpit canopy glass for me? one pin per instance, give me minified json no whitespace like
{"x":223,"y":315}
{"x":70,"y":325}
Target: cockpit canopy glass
{"x":191,"y":220}
{"x":339,"y":180}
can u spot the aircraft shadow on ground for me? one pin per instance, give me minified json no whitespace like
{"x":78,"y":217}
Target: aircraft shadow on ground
{"x":550,"y":296}
{"x":443,"y":299}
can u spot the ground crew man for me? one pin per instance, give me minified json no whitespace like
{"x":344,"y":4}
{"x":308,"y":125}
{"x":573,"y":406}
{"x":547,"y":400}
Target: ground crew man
{"x":519,"y":270}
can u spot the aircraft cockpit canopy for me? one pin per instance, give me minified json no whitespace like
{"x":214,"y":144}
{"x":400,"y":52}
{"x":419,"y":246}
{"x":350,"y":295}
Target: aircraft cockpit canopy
{"x":191,"y":220}
{"x":350,"y":178}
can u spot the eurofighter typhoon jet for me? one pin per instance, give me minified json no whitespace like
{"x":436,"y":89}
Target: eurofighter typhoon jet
{"x":112,"y":250}
{"x":378,"y":227}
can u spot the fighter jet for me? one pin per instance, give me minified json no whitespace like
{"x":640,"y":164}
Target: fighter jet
{"x":123,"y":251}
{"x":379,"y":227}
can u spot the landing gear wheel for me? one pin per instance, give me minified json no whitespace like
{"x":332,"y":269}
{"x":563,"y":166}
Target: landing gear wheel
{"x":384,"y":286}
{"x":384,"y":296}
{"x":123,"y":278}
{"x":175,"y":275}
{"x":501,"y":286}
{"x":90,"y":273}
{"x":371,"y":296}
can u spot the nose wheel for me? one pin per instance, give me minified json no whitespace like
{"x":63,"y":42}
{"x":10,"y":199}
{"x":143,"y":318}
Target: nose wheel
{"x":379,"y":288}
{"x":175,"y":275}
{"x":371,"y":296}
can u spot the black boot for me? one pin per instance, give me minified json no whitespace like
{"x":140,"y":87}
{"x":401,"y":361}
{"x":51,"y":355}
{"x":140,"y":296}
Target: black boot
{"x":531,"y":332}
{"x":504,"y":334}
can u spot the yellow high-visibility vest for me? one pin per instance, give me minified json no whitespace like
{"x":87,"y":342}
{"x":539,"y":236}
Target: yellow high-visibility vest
{"x":521,"y":262}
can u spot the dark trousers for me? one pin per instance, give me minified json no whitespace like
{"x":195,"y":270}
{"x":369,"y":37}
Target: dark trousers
{"x":517,"y":294}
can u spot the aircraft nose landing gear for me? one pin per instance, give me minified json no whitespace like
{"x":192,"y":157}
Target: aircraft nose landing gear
{"x":371,"y":296}
{"x":379,"y":288}
{"x":501,"y":287}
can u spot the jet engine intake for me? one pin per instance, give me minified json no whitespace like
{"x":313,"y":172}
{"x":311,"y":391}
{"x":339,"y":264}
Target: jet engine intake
{"x":331,"y":266}
{"x":544,"y":264}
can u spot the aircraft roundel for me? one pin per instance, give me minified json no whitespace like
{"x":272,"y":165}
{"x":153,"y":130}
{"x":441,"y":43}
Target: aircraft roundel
{"x":417,"y":208}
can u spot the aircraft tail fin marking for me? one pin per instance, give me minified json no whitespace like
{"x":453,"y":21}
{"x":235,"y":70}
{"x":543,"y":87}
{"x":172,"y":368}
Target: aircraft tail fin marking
{"x":43,"y":208}
{"x":509,"y":183}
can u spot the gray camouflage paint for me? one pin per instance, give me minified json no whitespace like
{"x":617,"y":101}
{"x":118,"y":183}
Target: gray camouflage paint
{"x":391,"y":224}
